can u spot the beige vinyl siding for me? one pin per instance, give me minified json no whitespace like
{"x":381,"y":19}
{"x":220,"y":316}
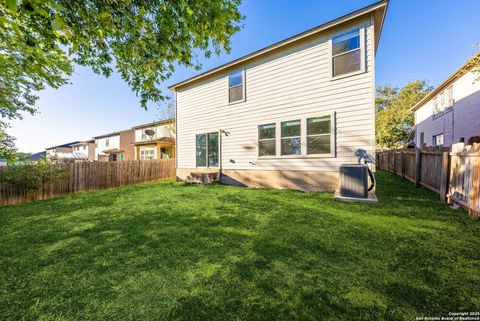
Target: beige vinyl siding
{"x":287,"y":85}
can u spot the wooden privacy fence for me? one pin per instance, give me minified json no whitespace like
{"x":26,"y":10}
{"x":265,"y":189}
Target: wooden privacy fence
{"x":87,"y":176}
{"x":454,"y":175}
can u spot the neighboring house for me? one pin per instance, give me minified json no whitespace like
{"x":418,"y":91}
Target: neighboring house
{"x":451,"y":112}
{"x":288,"y":115}
{"x":64,"y":152}
{"x":87,"y":148}
{"x":37,"y":156}
{"x":155,"y":140}
{"x":116,"y":146}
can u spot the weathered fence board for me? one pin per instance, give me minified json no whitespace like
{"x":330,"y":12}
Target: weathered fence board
{"x":454,"y":175}
{"x":464,"y":185}
{"x":88,"y":176}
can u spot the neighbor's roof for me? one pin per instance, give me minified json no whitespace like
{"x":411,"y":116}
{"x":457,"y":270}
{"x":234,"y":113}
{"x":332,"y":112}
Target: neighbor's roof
{"x":84,"y":142}
{"x":379,"y":8}
{"x":74,"y":155}
{"x":474,"y":60}
{"x":156,"y":123}
{"x":37,"y":156}
{"x":64,"y":145}
{"x":111,"y":134}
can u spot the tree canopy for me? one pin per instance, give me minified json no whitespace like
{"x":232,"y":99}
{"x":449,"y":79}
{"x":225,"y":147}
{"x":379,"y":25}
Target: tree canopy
{"x":394,"y":121}
{"x":143,"y":40}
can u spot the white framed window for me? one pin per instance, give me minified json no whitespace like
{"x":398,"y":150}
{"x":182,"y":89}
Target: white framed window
{"x":435,"y":106}
{"x":147,"y":153}
{"x":207,"y":149}
{"x":236,"y":86}
{"x":437,"y":140}
{"x":291,"y":140}
{"x":308,"y":137}
{"x":107,"y":142}
{"x":347,"y":53}
{"x":267,"y":140}
{"x":449,"y":92}
{"x":319,"y":135}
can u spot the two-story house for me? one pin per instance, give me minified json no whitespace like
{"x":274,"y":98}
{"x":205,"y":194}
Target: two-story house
{"x":451,"y":112}
{"x":285,"y":116}
{"x":64,"y":152}
{"x":155,"y":140}
{"x":116,"y":146}
{"x":86,"y":147}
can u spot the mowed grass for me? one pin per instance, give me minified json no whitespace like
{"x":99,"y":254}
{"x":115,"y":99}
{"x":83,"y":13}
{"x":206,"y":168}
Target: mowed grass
{"x":169,"y":251}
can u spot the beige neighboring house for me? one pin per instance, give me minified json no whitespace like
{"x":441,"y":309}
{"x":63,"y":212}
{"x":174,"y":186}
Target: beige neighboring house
{"x":86,"y":147}
{"x":116,"y":146}
{"x":64,"y":152}
{"x":155,"y":140}
{"x":451,"y":112}
{"x":285,"y":116}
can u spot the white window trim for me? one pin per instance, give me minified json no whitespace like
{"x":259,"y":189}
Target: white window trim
{"x":290,"y":137}
{"x":144,"y":148}
{"x":363,"y":63}
{"x":303,"y":137}
{"x":433,"y":139}
{"x":244,"y":88}
{"x":265,"y":139}
{"x":218,"y":151}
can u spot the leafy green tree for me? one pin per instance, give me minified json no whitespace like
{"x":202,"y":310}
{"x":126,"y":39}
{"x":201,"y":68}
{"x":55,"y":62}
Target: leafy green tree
{"x":394,"y":121}
{"x":7,"y":145}
{"x":143,"y":40}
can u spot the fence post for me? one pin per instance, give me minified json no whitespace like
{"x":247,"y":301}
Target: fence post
{"x":394,"y":161}
{"x":402,"y":163}
{"x":444,"y":178}
{"x":474,"y":192}
{"x":418,"y":159}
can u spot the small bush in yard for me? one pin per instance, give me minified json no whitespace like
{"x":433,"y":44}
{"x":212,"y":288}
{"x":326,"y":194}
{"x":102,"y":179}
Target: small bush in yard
{"x":33,"y":176}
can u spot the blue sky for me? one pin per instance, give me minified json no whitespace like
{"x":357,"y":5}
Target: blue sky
{"x":420,"y":40}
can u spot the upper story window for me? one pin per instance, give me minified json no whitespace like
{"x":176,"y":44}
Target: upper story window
{"x":346,"y":53}
{"x":449,"y":92}
{"x":442,"y":99}
{"x":442,"y":103}
{"x":435,"y":105}
{"x":107,"y":142}
{"x":236,"y":86}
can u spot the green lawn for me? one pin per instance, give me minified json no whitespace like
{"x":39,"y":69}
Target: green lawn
{"x":169,"y":251}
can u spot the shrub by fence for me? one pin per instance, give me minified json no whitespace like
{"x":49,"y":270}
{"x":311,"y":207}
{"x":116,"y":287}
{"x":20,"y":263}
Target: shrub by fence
{"x":453,"y":174}
{"x":85,"y":176}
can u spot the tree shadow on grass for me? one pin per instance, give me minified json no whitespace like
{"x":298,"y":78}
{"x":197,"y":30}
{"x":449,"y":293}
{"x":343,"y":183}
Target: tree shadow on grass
{"x":168,"y":251}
